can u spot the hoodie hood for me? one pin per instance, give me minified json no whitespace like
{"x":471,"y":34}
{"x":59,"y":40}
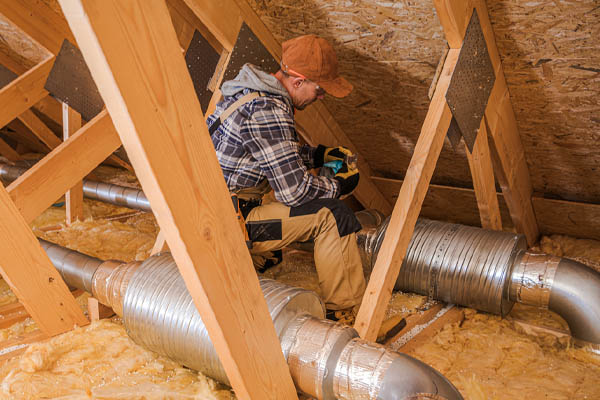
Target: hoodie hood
{"x":253,"y":78}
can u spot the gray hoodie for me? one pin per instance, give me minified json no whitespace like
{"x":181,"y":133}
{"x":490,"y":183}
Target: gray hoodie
{"x":252,"y":77}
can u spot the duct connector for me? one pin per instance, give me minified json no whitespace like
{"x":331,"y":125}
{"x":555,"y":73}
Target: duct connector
{"x":106,"y":192}
{"x":326,"y":360}
{"x":490,"y":271}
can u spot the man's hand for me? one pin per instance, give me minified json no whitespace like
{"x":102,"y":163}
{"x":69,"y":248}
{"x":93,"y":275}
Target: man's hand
{"x":327,"y":154}
{"x":348,"y":179}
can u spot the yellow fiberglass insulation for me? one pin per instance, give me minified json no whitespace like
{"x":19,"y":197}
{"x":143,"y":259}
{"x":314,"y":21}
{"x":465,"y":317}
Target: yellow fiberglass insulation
{"x":485,"y":356}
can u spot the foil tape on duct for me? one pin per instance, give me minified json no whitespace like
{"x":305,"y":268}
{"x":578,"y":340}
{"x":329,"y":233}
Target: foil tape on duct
{"x":159,"y":314}
{"x":456,"y":263}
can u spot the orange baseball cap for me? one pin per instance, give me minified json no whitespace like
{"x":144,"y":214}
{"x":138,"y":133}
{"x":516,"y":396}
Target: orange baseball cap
{"x":313,"y":58}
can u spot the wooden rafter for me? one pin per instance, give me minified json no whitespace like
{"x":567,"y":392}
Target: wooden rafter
{"x":22,"y":93}
{"x":151,"y":100}
{"x":8,"y":152}
{"x":407,"y":208}
{"x":64,"y":166}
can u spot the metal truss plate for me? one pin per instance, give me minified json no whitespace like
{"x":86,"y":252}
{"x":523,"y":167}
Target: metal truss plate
{"x":454,"y":134}
{"x":71,"y":82}
{"x":6,"y":76}
{"x":201,"y":60}
{"x":249,"y":49}
{"x":472,"y":82}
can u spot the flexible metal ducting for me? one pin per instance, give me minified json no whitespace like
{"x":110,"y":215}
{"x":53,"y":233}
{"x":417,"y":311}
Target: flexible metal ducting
{"x":326,"y":360}
{"x":490,"y":271}
{"x":107,"y":192}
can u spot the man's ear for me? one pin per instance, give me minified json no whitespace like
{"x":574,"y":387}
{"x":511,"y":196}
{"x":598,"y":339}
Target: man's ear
{"x":297,"y":82}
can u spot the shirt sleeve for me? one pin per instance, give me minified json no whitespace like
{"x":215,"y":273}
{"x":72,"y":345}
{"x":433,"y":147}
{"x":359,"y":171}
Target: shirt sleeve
{"x":269,"y":136}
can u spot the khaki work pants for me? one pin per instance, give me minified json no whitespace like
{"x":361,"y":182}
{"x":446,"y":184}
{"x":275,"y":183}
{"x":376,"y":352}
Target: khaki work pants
{"x":332,"y":226}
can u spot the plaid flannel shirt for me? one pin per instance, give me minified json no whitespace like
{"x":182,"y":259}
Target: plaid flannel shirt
{"x":260,"y":141}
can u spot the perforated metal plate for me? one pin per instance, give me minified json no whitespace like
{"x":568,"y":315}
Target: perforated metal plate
{"x":201,"y":60}
{"x":248,"y":49}
{"x":471,"y":83}
{"x":71,"y":82}
{"x":6,"y":76}
{"x":454,"y":134}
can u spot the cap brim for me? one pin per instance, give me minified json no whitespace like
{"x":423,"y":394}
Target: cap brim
{"x":339,"y":87}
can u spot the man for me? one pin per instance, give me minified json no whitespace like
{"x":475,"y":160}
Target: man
{"x":257,"y":146}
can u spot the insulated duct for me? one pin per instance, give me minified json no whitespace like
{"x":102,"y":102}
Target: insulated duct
{"x":107,"y":192}
{"x":490,"y":271}
{"x":326,"y":360}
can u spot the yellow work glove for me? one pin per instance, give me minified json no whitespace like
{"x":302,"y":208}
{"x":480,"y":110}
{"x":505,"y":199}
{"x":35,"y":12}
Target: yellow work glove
{"x":327,"y":154}
{"x":347,"y":178}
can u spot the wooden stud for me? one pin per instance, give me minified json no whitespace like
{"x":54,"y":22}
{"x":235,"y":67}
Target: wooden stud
{"x":134,"y":57}
{"x":31,"y":276}
{"x":73,"y":196}
{"x":64,"y":167}
{"x":39,"y":129}
{"x":97,"y":310}
{"x":8,"y":152}
{"x":407,"y":208}
{"x":160,"y":244}
{"x":480,"y":163}
{"x":22,"y":93}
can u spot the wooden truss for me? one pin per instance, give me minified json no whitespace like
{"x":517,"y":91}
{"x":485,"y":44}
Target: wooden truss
{"x":506,"y":149}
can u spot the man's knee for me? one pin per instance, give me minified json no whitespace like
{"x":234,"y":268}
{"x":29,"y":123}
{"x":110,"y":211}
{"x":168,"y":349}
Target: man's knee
{"x":345,"y":220}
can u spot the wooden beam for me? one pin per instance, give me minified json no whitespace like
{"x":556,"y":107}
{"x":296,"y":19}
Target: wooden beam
{"x":453,"y":315}
{"x":23,"y":135}
{"x":134,"y":57}
{"x":97,"y":310}
{"x":414,"y":320}
{"x":73,"y":196}
{"x":51,"y":108}
{"x":15,"y":346}
{"x":22,"y":93}
{"x":317,"y":125}
{"x":39,"y":129}
{"x":31,"y":276}
{"x":510,"y":163}
{"x":507,"y":150}
{"x":38,"y":20}
{"x":8,"y":152}
{"x":160,"y":244}
{"x":459,"y":205}
{"x":407,"y":208}
{"x":482,"y":171}
{"x":64,"y":167}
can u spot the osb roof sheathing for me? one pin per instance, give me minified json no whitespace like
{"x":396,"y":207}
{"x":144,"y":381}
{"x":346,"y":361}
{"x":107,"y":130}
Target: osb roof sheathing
{"x":390,"y":50}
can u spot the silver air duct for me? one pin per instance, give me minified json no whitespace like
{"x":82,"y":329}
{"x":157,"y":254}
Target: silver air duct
{"x":326,"y":360}
{"x":107,"y":192}
{"x":490,"y":271}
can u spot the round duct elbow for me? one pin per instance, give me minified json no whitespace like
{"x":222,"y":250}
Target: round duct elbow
{"x":575,"y":296}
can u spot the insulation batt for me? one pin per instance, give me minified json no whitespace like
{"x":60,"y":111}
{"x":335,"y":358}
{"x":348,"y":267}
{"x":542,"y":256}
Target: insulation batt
{"x":485,"y":357}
